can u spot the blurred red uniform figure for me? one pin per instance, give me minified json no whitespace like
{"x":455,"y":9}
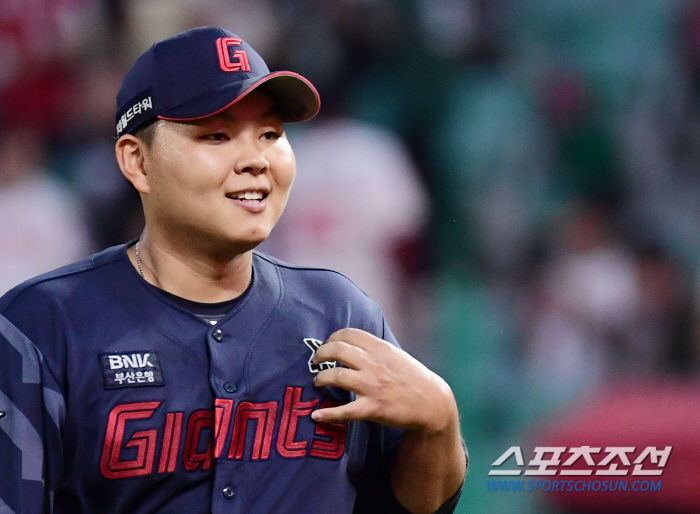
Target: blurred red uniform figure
{"x":357,"y":197}
{"x":41,"y":225}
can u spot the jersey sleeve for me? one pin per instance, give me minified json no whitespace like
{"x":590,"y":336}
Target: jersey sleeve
{"x":374,"y":495}
{"x":32,"y":411}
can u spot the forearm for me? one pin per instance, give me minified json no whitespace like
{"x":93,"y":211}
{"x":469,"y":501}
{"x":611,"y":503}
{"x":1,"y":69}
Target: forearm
{"x":429,"y":467}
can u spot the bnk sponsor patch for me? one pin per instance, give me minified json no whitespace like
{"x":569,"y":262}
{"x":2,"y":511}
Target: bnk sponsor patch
{"x":130,"y":369}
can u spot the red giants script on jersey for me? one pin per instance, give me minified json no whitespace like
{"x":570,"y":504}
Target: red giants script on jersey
{"x":327,"y":443}
{"x":236,"y":62}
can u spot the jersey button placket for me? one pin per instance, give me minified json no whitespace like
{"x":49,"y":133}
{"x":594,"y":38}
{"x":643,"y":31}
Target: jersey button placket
{"x":228,"y":492}
{"x":218,"y":335}
{"x":230,"y":387}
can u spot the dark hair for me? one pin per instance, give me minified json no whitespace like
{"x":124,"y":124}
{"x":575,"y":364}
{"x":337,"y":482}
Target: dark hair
{"x":147,"y":133}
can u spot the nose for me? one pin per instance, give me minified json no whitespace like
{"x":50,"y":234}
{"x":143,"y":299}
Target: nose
{"x":251,"y":161}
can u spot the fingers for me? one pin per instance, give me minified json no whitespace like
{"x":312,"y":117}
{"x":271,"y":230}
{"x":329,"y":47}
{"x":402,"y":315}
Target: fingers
{"x":353,"y":411}
{"x":340,"y":351}
{"x":357,"y":337}
{"x":345,"y":378}
{"x":380,"y":375}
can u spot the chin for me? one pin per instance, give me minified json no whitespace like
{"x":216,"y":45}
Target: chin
{"x":252,"y":239}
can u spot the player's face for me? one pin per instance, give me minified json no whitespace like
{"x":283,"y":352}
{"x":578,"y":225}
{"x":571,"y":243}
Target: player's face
{"x":220,"y":182}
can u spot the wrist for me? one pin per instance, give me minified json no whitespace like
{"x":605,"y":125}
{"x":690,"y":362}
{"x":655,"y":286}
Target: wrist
{"x":443,"y":418}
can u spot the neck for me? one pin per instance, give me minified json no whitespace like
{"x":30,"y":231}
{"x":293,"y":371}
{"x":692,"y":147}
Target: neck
{"x":190,"y":273}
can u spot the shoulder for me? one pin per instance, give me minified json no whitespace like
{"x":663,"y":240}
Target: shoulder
{"x":62,"y":283}
{"x":42,"y":312}
{"x":309,"y":291}
{"x":310,"y":279}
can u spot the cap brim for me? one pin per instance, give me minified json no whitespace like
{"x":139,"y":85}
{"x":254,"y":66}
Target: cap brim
{"x":296,"y":98}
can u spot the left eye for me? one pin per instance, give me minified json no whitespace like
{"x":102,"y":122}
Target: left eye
{"x":271,"y":135}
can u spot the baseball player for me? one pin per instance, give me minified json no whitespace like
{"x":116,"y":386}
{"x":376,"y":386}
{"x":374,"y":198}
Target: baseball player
{"x":187,"y":373}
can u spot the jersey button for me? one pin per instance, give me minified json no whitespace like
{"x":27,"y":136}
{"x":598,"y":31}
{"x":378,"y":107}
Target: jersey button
{"x":229,"y":387}
{"x":228,"y":492}
{"x":218,"y":335}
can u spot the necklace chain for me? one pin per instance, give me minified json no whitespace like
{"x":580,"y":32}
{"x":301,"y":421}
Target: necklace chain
{"x":138,"y":260}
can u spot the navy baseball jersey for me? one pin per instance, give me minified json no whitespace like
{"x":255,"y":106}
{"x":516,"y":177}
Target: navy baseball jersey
{"x":114,"y":399}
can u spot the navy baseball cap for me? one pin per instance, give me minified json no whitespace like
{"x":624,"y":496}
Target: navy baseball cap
{"x":201,"y":72}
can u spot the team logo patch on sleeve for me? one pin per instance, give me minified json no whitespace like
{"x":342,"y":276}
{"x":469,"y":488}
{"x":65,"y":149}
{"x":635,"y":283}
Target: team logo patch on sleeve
{"x":131,"y":369}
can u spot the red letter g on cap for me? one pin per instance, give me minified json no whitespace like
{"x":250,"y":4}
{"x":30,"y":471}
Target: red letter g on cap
{"x":237,"y":62}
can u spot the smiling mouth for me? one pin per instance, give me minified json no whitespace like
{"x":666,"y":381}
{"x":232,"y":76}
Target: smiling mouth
{"x":250,"y":201}
{"x":256,"y":196}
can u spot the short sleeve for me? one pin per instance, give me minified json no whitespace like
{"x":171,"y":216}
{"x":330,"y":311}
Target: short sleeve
{"x":32,"y":410}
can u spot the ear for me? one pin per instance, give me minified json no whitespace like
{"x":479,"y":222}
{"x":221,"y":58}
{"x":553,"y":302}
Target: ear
{"x":131,"y":155}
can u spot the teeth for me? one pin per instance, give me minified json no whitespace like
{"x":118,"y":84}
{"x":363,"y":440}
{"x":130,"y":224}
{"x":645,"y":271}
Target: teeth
{"x":250,"y":195}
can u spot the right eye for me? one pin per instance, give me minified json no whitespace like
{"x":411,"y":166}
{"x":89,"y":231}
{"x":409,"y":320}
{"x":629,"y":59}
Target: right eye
{"x":216,"y":137}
